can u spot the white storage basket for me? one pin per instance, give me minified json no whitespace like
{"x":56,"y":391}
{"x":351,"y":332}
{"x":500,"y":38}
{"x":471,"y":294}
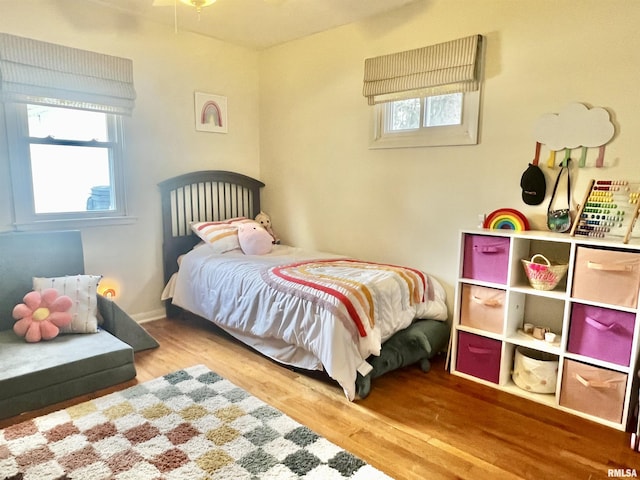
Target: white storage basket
{"x":535,"y":371}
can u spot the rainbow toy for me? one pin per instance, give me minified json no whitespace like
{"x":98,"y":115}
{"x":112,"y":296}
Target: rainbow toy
{"x":506,"y":219}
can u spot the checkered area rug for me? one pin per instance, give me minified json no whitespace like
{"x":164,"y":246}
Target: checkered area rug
{"x":191,"y":424}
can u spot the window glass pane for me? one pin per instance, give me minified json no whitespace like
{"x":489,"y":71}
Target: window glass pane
{"x":405,"y":114}
{"x":70,"y":179}
{"x":443,"y":110}
{"x":66,"y":123}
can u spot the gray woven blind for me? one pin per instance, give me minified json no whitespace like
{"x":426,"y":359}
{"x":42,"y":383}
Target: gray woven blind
{"x":435,"y":70}
{"x":32,"y":71}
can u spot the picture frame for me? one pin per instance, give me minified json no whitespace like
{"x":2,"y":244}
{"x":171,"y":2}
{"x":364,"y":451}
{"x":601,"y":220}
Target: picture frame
{"x":210,"y":112}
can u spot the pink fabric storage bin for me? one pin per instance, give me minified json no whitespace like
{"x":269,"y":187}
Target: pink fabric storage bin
{"x":478,"y":356}
{"x":607,"y":276}
{"x":482,"y":307}
{"x":593,"y":390}
{"x":601,"y":333}
{"x":486,"y":258}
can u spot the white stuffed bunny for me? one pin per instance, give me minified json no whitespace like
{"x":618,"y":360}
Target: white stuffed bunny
{"x":264,"y":220}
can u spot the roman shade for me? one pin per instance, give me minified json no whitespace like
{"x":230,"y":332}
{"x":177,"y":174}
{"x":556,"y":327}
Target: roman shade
{"x":38,"y":72}
{"x":447,"y":67}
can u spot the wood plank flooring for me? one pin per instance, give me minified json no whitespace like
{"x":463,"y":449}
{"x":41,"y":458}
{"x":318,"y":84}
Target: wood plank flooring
{"x":412,"y":426}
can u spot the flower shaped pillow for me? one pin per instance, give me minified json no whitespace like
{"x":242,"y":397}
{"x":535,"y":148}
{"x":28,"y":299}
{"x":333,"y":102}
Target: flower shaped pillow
{"x":41,"y":315}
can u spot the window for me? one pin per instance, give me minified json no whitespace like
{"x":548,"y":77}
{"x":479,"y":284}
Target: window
{"x":427,"y":96}
{"x":449,"y":119}
{"x":66,"y":163}
{"x":436,"y":111}
{"x":64,"y":109}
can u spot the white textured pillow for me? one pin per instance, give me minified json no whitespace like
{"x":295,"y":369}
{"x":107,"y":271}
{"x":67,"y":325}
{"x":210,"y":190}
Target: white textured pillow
{"x":221,"y":236}
{"x":82,"y":289}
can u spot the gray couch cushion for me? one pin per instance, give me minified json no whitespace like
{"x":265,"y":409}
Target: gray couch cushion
{"x":117,"y":322}
{"x":24,"y":255}
{"x":34,"y":375}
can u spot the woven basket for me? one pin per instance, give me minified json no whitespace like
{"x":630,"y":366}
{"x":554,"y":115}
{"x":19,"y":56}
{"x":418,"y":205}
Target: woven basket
{"x":543,"y":276}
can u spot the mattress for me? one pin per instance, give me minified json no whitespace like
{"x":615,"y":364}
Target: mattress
{"x":231,"y":291}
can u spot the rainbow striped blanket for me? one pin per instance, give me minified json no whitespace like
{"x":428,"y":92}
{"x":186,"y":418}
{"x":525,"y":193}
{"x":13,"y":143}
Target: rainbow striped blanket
{"x":349,"y":288}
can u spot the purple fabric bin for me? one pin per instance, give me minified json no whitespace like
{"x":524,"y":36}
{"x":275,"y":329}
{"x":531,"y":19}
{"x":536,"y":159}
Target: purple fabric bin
{"x":486,"y":258}
{"x":601,"y":333}
{"x":479,"y":356}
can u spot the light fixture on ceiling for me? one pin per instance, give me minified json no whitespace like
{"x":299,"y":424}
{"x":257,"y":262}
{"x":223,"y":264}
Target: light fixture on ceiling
{"x":199,"y":4}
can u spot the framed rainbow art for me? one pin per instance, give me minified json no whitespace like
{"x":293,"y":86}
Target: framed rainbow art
{"x":210,"y":112}
{"x":506,"y":219}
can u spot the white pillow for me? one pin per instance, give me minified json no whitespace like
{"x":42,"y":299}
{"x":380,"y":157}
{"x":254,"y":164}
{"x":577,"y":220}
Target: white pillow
{"x":82,"y":289}
{"x":221,"y":236}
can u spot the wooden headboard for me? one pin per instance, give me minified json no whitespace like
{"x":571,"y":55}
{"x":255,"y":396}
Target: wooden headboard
{"x":208,"y":195}
{"x":24,"y":255}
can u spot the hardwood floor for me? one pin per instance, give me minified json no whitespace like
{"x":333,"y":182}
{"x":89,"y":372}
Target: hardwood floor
{"x":412,"y":426}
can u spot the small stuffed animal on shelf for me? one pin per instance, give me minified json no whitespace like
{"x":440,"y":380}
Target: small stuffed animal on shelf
{"x":264,"y":220}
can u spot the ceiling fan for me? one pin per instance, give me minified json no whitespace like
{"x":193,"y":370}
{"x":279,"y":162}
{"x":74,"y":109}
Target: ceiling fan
{"x":200,"y":4}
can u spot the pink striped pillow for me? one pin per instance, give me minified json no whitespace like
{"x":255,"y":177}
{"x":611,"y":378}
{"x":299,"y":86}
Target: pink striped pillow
{"x":222,"y":236}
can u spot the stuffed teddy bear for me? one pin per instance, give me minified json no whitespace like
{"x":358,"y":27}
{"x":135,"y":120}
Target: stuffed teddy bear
{"x":404,"y":348}
{"x":264,"y":220}
{"x":253,"y":239}
{"x":41,"y":315}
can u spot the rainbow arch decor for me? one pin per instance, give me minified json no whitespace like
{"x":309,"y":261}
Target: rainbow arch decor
{"x":506,"y":219}
{"x":210,"y":112}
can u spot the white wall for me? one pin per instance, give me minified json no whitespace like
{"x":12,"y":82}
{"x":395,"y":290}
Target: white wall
{"x":160,"y":136}
{"x":308,"y":139}
{"x":326,"y":189}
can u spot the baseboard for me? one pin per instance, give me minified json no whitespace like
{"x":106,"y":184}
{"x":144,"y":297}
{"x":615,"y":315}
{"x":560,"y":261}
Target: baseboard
{"x":149,"y":316}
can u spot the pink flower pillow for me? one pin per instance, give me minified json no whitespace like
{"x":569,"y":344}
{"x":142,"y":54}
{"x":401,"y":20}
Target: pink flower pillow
{"x":41,"y":315}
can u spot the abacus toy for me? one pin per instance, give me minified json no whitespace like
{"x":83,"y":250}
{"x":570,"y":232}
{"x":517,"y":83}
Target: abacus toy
{"x":610,"y":208}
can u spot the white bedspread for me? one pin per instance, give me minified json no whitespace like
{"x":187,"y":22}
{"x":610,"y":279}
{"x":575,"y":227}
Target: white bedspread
{"x":228,"y":289}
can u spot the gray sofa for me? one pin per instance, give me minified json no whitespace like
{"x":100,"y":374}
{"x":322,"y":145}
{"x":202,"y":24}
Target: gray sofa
{"x":34,"y":375}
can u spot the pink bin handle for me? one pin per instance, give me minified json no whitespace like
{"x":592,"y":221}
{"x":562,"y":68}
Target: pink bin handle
{"x":479,"y":350}
{"x":488,"y":249}
{"x":597,"y":383}
{"x":610,"y":267}
{"x":489,"y":302}
{"x":599,"y":325}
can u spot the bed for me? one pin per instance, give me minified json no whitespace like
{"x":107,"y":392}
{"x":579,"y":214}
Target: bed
{"x":305,"y":309}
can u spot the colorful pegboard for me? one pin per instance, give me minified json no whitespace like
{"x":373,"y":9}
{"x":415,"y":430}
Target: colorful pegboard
{"x":609,"y":209}
{"x":506,"y":219}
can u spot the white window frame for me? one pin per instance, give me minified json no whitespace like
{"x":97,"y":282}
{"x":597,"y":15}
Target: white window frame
{"x":464,"y":134}
{"x":25,"y":216}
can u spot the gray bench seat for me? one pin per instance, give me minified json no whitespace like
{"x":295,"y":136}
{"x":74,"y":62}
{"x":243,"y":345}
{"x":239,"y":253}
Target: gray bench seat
{"x":34,"y":375}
